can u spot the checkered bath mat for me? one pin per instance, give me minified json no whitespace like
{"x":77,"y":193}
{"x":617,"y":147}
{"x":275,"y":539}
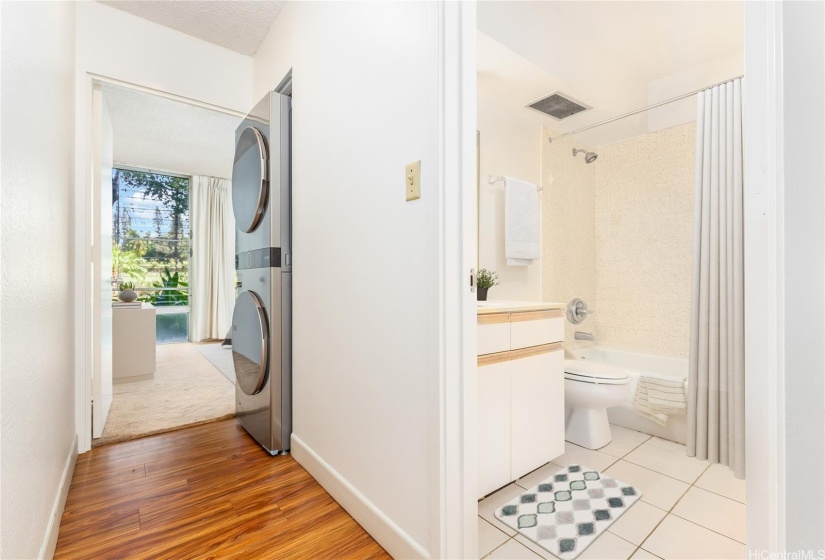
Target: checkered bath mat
{"x":568,"y":511}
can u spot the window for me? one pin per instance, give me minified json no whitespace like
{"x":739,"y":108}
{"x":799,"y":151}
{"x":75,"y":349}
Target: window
{"x":150,"y":245}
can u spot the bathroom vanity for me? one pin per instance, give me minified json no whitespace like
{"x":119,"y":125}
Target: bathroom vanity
{"x":520,"y":389}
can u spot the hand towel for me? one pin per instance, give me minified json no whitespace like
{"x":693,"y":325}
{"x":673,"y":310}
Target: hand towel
{"x":521,"y":222}
{"x":657,"y":397}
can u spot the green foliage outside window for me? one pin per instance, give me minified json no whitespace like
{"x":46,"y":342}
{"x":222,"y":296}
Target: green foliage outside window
{"x":150,"y":235}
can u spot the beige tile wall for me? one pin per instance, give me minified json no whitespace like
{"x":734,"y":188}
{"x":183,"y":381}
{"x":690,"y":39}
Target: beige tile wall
{"x":634,"y":266}
{"x":568,"y":227}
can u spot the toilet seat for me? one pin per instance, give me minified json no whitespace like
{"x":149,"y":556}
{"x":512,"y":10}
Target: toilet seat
{"x":594,"y":372}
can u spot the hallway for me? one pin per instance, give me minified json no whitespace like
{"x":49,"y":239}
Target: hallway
{"x":207,"y":491}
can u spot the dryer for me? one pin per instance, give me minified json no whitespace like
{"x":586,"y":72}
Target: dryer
{"x":262,"y":318}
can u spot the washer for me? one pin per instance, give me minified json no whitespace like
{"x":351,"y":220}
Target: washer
{"x":262,"y":318}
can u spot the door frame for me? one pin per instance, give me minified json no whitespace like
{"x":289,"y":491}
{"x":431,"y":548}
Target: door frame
{"x":764,"y":277}
{"x":455,"y":525}
{"x":84,"y":242}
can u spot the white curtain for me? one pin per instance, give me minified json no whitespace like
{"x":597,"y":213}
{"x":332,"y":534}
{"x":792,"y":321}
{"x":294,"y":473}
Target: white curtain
{"x":212,"y":266}
{"x":716,"y":382}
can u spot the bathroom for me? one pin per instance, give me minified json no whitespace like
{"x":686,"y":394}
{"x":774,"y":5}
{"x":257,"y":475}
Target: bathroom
{"x":616,"y":184}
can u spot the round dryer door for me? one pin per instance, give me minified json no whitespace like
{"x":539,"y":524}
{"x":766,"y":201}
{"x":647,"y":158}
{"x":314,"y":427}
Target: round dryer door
{"x":250,"y":343}
{"x":249,"y":179}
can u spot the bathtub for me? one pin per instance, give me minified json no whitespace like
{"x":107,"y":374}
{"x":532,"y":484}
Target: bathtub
{"x":636,"y":364}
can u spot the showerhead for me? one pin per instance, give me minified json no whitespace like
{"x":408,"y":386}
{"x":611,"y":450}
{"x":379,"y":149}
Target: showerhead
{"x":589,"y":157}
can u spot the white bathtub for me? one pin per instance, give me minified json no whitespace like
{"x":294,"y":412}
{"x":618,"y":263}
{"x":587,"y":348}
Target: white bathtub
{"x":636,"y":364}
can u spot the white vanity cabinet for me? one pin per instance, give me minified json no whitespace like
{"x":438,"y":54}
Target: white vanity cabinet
{"x":520,"y":394}
{"x":494,"y":432}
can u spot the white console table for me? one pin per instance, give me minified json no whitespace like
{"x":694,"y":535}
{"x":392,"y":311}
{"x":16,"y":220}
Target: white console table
{"x":133,"y":343}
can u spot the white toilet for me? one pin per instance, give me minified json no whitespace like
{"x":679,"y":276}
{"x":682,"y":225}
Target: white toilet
{"x":590,"y":388}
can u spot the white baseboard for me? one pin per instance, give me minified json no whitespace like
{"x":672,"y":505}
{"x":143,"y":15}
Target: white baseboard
{"x":389,"y":535}
{"x":50,"y":538}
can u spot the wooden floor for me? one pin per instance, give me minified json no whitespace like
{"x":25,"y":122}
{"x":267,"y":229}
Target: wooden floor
{"x":203,"y":492}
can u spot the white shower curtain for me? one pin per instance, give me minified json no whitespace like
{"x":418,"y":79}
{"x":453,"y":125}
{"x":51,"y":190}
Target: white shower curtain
{"x":212,"y":267}
{"x":716,"y":382}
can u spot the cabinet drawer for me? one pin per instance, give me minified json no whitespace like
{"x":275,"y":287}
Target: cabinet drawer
{"x":534,"y":328}
{"x":493,"y":337}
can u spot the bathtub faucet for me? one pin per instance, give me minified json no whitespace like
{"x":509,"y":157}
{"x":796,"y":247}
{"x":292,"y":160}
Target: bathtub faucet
{"x":578,"y":335}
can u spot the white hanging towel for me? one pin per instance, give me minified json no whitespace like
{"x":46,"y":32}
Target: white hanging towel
{"x":521,"y":222}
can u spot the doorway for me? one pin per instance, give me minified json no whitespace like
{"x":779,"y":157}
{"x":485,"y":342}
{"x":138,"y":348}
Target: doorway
{"x":163,"y":264}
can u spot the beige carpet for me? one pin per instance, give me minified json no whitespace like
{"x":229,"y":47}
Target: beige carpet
{"x":187,"y":390}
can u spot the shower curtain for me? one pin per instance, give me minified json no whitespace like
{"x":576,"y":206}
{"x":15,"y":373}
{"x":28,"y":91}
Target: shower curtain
{"x":716,"y":382}
{"x":213,"y":258}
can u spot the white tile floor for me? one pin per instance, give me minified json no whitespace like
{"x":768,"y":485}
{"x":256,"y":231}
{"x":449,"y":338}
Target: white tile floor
{"x":689,"y":509}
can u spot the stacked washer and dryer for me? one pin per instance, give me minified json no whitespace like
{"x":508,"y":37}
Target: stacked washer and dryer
{"x":262,"y":319}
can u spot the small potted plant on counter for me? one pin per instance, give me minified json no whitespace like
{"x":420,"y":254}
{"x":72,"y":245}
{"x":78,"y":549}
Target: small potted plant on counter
{"x":485,"y":280}
{"x":126,"y":292}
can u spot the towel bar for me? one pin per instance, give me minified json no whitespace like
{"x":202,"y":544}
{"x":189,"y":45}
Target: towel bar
{"x":492,"y":179}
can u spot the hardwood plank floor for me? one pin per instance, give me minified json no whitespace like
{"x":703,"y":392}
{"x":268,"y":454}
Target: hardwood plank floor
{"x":203,"y":492}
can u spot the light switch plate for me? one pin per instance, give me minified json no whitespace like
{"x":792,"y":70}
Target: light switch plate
{"x":412,"y":180}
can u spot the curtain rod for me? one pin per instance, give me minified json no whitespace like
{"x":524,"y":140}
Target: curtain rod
{"x":648,"y":108}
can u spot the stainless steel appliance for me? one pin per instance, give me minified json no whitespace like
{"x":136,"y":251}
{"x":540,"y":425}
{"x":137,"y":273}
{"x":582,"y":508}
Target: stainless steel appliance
{"x":262,"y":319}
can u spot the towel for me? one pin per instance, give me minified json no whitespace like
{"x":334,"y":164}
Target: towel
{"x":657,"y":397}
{"x":521,"y":222}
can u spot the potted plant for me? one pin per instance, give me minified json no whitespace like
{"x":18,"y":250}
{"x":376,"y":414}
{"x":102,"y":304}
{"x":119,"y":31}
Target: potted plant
{"x":485,"y":280}
{"x":127,"y":292}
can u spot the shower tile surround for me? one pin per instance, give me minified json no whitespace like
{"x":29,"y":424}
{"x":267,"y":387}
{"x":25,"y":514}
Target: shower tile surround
{"x":674,"y":519}
{"x":568,"y":247}
{"x":618,"y":233}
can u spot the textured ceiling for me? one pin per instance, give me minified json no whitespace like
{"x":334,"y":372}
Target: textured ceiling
{"x":161,"y":134}
{"x":239,"y":25}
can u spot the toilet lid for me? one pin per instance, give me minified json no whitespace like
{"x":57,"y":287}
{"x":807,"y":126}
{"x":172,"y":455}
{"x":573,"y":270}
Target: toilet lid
{"x":594,"y":372}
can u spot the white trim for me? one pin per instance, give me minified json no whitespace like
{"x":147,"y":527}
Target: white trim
{"x":53,"y":528}
{"x":389,"y":535}
{"x":171,"y":96}
{"x":130,"y":167}
{"x":455,"y":523}
{"x":764,"y":314}
{"x":82,"y":262}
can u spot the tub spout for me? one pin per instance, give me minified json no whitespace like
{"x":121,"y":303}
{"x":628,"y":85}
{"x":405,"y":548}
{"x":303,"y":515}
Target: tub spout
{"x":578,"y":335}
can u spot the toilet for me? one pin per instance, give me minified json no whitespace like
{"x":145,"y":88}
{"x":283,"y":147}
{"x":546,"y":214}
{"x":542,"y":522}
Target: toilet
{"x":590,"y":388}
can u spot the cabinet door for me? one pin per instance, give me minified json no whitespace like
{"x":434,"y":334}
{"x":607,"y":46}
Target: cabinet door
{"x":537,"y":415}
{"x":493,"y":427}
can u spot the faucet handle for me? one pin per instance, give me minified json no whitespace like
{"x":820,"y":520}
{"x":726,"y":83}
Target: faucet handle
{"x":577,"y":311}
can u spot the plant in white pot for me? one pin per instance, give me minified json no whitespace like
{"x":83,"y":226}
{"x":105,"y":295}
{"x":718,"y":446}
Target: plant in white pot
{"x":127,"y":292}
{"x":485,"y":280}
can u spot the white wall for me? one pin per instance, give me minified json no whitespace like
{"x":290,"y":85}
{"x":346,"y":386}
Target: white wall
{"x":720,"y":69}
{"x":365,"y":274}
{"x":118,"y":45}
{"x":803,"y":52}
{"x":510,"y":146}
{"x":38,"y":427}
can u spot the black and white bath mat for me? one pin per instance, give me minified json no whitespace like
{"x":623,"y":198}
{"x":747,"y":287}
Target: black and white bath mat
{"x":568,"y":511}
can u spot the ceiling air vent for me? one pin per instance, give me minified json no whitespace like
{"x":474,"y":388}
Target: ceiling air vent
{"x":558,"y":105}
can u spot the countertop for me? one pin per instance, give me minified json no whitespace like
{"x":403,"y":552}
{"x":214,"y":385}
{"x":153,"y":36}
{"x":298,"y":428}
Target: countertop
{"x":503,"y":306}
